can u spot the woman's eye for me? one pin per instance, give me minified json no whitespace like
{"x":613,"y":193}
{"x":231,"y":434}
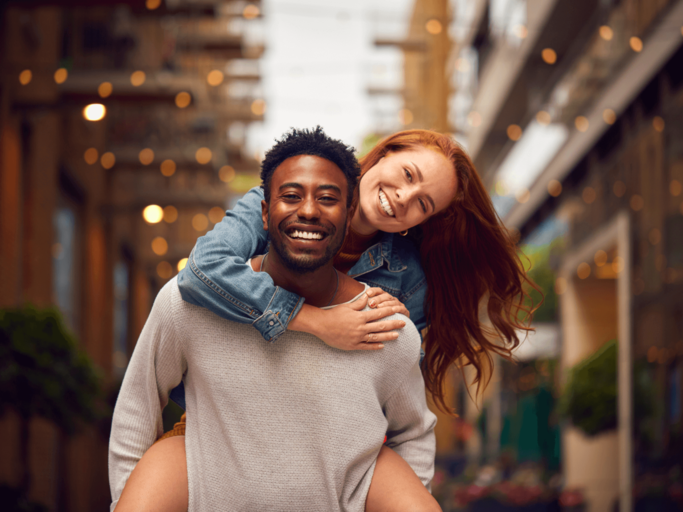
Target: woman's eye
{"x":408,"y":175}
{"x":423,"y":205}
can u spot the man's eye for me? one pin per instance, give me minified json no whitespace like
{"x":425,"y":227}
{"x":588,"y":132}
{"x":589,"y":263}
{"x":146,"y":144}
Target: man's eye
{"x":292,"y":197}
{"x":328,"y":199}
{"x":408,"y":175}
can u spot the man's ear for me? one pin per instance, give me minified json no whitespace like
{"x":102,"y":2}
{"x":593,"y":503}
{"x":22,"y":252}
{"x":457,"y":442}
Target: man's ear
{"x":264,"y":214}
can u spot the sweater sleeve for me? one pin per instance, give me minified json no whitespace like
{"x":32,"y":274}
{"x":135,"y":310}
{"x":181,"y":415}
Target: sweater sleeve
{"x":156,"y":367}
{"x":410,"y":432}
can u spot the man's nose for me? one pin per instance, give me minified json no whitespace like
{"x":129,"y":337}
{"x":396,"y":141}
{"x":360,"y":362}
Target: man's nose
{"x":308,"y":209}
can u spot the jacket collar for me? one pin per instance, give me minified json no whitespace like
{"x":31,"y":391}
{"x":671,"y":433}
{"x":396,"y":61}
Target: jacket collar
{"x":376,"y":255}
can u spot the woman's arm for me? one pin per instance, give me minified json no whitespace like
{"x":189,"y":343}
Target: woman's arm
{"x":218,"y":278}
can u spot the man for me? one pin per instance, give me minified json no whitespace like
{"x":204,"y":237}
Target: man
{"x":290,"y":426}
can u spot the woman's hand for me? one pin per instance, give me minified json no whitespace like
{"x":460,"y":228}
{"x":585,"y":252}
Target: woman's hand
{"x":378,"y":298}
{"x":346,"y":327}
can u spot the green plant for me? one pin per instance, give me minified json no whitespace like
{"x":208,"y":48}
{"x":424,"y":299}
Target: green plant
{"x":44,"y":373}
{"x":589,"y":400}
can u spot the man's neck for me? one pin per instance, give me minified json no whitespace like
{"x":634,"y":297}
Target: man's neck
{"x":318,"y":287}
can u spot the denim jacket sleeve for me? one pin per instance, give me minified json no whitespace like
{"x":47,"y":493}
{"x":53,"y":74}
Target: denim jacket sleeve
{"x":218,"y":278}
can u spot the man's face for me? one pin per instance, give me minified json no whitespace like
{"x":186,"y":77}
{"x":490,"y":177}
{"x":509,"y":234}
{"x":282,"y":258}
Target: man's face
{"x":307,"y":215}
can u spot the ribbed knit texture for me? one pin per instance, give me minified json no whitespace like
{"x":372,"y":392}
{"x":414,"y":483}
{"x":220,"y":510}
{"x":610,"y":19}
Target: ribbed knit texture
{"x":287,"y":426}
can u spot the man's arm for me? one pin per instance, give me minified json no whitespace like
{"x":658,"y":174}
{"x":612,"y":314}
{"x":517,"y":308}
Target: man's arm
{"x":410,"y":432}
{"x":157,"y":366}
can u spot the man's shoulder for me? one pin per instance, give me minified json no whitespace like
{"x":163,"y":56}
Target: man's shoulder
{"x":407,"y":345}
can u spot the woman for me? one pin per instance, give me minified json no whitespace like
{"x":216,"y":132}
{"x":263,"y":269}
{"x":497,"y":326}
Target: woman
{"x":414,"y":182}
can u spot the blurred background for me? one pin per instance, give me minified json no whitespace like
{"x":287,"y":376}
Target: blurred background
{"x":128,"y":127}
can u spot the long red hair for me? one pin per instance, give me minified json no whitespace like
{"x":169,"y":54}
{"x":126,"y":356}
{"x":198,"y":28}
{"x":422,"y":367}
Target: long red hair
{"x":468,"y":257}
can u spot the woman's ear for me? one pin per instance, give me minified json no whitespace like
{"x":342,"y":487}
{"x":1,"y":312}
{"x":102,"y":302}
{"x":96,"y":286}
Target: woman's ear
{"x":264,"y":214}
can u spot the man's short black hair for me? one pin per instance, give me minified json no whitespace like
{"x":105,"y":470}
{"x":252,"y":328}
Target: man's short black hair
{"x":315,"y":143}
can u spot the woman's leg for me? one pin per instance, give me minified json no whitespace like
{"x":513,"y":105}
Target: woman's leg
{"x":396,"y":488}
{"x":159,"y":481}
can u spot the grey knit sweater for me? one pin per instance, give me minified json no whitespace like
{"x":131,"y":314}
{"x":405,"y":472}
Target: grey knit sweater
{"x":288,"y":426}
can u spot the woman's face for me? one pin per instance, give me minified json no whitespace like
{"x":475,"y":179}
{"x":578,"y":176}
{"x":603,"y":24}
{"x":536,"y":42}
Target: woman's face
{"x":404,"y":189}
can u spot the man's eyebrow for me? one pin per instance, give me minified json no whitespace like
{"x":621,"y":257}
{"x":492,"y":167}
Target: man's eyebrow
{"x":330,"y":187}
{"x":291,"y":185}
{"x":420,"y":178}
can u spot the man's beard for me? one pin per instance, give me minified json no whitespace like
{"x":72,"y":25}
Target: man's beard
{"x":303,"y":264}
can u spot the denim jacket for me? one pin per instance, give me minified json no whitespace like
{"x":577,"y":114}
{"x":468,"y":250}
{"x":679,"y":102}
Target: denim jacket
{"x":218,"y":278}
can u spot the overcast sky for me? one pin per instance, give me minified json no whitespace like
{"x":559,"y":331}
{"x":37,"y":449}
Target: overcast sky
{"x":319,"y":61}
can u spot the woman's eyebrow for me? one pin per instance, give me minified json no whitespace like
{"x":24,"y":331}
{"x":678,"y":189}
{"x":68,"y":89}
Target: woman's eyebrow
{"x":421,"y":179}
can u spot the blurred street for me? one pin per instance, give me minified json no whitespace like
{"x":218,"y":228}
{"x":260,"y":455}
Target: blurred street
{"x":129,"y":127}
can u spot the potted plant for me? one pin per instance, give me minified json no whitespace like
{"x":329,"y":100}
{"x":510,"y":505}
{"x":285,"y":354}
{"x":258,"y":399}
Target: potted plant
{"x":43,"y":373}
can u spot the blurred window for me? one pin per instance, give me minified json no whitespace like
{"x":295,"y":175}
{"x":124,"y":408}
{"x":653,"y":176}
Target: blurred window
{"x":121,"y":298}
{"x":64,"y":254}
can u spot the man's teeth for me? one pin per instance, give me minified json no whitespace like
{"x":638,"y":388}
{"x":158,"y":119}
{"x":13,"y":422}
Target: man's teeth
{"x":307,"y":235}
{"x":385,"y":203}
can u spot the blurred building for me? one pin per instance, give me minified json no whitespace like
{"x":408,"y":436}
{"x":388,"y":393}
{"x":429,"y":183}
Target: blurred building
{"x":122,"y":139}
{"x":572,"y":113}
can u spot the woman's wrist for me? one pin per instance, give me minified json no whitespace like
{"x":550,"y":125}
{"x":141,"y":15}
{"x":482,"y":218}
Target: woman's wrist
{"x":306,"y":320}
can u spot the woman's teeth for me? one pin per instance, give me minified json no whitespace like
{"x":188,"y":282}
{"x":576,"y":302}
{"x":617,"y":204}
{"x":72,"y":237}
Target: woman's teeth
{"x":385,"y":203}
{"x":306,"y":235}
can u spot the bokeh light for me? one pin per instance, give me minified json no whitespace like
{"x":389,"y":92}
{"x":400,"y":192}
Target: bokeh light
{"x":675,"y":188}
{"x":146,"y":156}
{"x":170,"y":214}
{"x":606,"y":33}
{"x":159,"y":246}
{"x":583,"y":270}
{"x":258,"y":107}
{"x":153,"y":214}
{"x":94,"y":112}
{"x":183,"y":99}
{"x":203,"y":155}
{"x":554,"y":188}
{"x":549,"y":56}
{"x":25,"y":77}
{"x":137,"y":78}
{"x":164,"y":270}
{"x":636,"y":202}
{"x":251,"y":11}
{"x":90,"y":156}
{"x":581,"y":123}
{"x":658,"y":124}
{"x":522,"y":195}
{"x":543,"y":118}
{"x":61,"y":75}
{"x":215,"y":78}
{"x":226,"y":173}
{"x":514,"y":132}
{"x":168,"y":168}
{"x":152,"y":4}
{"x":600,"y":258}
{"x":434,"y":27}
{"x":181,"y":264}
{"x":216,"y":214}
{"x":474,"y":119}
{"x":588,"y":195}
{"x":520,"y":31}
{"x":108,"y":160}
{"x":105,"y":89}
{"x":405,"y":117}
{"x":636,"y":44}
{"x":200,"y":222}
{"x":609,"y":116}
